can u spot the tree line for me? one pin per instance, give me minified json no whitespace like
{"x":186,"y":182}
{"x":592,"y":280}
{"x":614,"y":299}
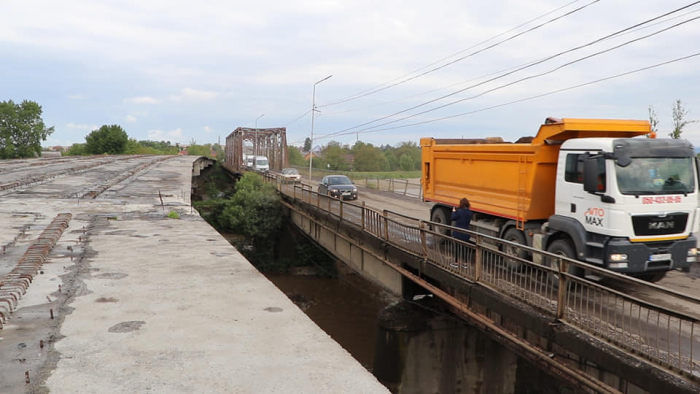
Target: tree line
{"x":113,"y":140}
{"x":361,"y":156}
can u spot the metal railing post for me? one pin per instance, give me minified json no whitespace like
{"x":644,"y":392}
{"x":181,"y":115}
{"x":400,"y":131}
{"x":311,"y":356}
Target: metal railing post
{"x":341,"y":209}
{"x":405,"y":188}
{"x":386,"y":226}
{"x":478,"y":262}
{"x":562,"y":288}
{"x":363,"y":215}
{"x":423,"y":241}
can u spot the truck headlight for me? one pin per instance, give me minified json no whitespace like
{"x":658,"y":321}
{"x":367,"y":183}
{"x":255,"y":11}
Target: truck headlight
{"x":618,"y":257}
{"x":692,"y":252}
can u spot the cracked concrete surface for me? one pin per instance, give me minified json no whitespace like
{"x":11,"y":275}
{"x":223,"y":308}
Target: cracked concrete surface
{"x":148,"y":304}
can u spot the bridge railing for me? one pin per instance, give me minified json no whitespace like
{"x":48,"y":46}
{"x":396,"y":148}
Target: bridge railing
{"x":546,"y":281}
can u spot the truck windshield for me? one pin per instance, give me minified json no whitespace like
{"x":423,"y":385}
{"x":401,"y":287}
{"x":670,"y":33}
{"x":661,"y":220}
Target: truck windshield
{"x":262,"y":162}
{"x":656,"y":175}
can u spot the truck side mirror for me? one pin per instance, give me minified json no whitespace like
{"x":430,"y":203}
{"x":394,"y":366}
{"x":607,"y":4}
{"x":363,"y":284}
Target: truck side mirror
{"x":590,"y":175}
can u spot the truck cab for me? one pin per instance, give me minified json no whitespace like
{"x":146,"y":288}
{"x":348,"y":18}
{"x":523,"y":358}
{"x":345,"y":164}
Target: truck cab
{"x":629,"y":205}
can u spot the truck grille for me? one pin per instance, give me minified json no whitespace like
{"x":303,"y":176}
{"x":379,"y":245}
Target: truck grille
{"x":672,"y":223}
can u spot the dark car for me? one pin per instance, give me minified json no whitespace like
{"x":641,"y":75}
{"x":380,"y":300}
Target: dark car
{"x":338,"y":186}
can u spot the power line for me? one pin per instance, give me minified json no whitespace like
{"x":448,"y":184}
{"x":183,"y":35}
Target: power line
{"x":495,"y":72}
{"x":466,"y":49}
{"x":460,"y":58}
{"x":297,"y":118}
{"x":527,"y":98}
{"x":531,"y":76}
{"x":528,"y":65}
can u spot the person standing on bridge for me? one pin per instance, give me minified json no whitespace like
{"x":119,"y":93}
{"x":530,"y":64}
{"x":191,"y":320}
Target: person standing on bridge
{"x":462,"y":216}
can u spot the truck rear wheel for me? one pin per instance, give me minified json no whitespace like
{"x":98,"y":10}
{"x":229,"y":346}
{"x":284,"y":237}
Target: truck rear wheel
{"x":516,"y":236}
{"x":561,"y":247}
{"x":442,"y":216}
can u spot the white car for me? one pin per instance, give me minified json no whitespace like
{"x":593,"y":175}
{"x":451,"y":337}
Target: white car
{"x":291,"y":175}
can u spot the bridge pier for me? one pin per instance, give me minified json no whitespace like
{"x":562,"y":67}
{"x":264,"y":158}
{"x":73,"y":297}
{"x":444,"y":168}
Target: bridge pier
{"x":420,"y":352}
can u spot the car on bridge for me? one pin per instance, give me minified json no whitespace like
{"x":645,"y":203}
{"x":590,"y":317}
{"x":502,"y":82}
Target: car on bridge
{"x":291,"y":175}
{"x":338,"y":186}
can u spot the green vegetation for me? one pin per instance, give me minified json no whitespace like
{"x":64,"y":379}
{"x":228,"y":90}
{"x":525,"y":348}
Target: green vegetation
{"x":173,"y":215}
{"x":110,"y":140}
{"x":133,"y":147}
{"x":364,"y":157}
{"x":253,"y":211}
{"x":21,"y":129}
{"x":679,"y":116}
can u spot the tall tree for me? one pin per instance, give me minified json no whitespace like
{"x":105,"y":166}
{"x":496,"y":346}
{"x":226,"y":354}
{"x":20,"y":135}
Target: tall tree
{"x":21,"y":129}
{"x":369,"y":158}
{"x":111,"y":140}
{"x":679,"y":119}
{"x":654,"y":121}
{"x":412,"y":150}
{"x":294,"y":156}
{"x":307,"y":144}
{"x":334,"y":156}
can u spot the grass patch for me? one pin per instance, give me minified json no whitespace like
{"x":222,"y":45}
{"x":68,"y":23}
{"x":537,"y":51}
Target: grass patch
{"x":173,"y":215}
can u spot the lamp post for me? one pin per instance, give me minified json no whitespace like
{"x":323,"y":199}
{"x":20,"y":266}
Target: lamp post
{"x":257,"y":147}
{"x":313,"y":111}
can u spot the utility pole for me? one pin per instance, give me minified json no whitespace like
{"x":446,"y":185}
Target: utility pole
{"x":313,"y":112}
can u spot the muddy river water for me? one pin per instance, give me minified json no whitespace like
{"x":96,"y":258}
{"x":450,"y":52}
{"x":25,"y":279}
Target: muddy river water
{"x":346,"y":308}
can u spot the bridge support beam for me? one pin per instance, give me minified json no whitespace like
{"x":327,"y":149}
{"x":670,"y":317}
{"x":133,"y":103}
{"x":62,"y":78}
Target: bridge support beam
{"x":419,"y":352}
{"x":366,"y":264}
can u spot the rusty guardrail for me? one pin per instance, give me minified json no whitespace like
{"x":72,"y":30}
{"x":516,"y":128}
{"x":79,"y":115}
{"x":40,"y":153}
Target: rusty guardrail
{"x":663,"y":336}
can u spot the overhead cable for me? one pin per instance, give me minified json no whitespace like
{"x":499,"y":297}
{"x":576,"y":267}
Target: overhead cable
{"x":460,"y":58}
{"x":523,"y":99}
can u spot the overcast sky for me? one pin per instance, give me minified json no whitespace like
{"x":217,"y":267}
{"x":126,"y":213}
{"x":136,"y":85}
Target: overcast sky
{"x":184,"y":70}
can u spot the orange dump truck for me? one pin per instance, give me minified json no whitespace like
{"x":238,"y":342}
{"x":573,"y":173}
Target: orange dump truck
{"x":585,"y":188}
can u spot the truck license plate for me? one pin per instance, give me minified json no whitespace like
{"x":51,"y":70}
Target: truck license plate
{"x":660,"y":257}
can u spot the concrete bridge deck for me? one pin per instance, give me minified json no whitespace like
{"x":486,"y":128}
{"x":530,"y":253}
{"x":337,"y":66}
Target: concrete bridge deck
{"x":144,"y":303}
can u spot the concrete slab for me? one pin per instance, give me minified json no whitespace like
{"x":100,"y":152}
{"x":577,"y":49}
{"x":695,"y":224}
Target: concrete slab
{"x":151,"y":304}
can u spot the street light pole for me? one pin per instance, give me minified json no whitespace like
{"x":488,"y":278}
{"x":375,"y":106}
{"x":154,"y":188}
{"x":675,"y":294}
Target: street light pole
{"x":257,"y":148}
{"x":313,"y":112}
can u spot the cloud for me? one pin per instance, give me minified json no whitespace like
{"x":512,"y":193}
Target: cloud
{"x":208,"y":130}
{"x":130,"y":118}
{"x":74,"y":126}
{"x":161,"y":135}
{"x":142,"y":100}
{"x":194,"y":94}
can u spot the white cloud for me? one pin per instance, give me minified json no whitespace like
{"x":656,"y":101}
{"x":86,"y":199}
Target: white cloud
{"x":142,"y":100}
{"x":161,"y":135}
{"x":74,"y":126}
{"x":130,"y":118}
{"x":194,"y":94}
{"x":208,"y":130}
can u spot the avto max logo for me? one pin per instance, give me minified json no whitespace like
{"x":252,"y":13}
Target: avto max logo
{"x":594,"y":216}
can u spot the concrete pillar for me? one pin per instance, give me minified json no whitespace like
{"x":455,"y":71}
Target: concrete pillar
{"x":422,"y":352}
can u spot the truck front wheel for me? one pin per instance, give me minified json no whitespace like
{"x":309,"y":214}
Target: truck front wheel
{"x":561,"y":247}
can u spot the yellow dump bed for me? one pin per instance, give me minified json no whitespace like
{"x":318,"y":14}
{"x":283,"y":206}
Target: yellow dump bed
{"x":510,"y":180}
